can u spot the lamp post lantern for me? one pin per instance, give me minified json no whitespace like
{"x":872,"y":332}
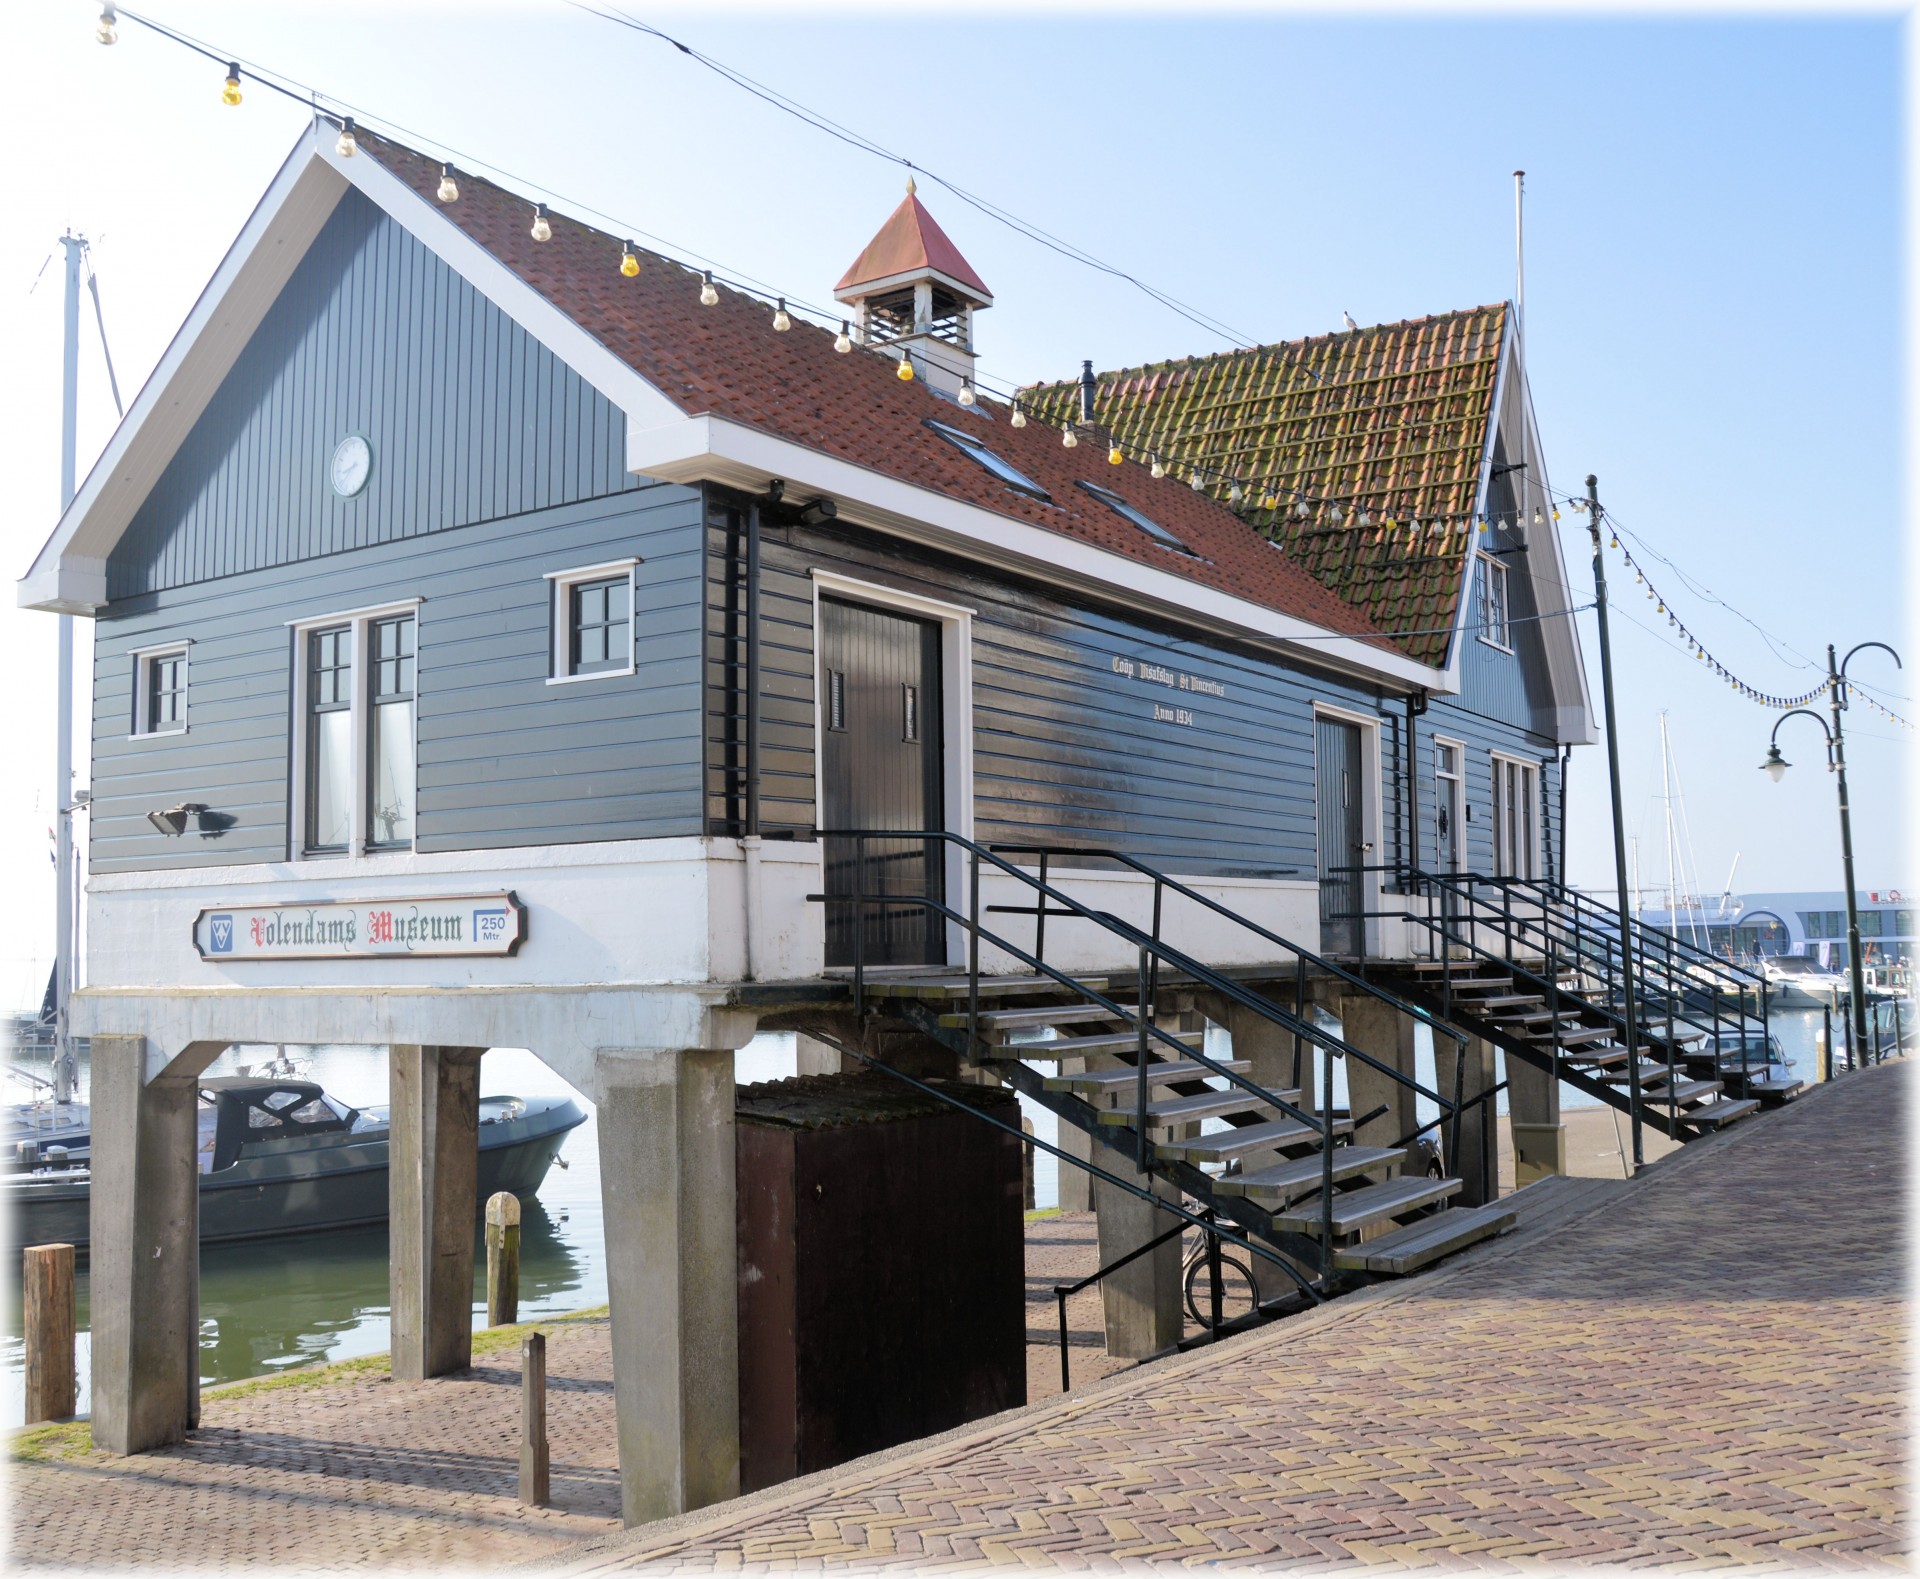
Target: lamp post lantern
{"x":1775,"y":767}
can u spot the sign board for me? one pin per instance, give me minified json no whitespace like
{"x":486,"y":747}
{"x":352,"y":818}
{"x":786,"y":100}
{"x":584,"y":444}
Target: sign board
{"x":490,"y":925}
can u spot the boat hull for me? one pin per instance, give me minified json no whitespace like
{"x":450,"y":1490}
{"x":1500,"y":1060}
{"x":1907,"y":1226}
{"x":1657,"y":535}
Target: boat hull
{"x":310,"y":1191}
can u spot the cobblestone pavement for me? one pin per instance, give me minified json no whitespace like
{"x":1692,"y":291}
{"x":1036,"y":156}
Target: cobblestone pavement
{"x":369,"y":1473}
{"x":1708,"y":1371}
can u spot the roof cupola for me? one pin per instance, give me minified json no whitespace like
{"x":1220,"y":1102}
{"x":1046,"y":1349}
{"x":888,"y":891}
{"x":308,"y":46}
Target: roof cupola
{"x":912,"y":292}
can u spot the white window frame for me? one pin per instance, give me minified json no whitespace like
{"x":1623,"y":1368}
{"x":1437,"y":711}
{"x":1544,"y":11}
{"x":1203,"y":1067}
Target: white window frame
{"x":1530,"y":780}
{"x":560,"y":618}
{"x":956,"y":712}
{"x":358,"y":620}
{"x":1502,"y":638}
{"x":143,"y":658}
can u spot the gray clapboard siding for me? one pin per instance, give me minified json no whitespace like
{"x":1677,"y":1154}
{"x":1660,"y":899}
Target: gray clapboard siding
{"x":470,"y":420}
{"x":1067,"y":750}
{"x":504,"y":758}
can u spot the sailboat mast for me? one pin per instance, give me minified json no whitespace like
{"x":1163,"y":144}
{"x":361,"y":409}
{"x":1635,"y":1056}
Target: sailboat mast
{"x":63,"y":949}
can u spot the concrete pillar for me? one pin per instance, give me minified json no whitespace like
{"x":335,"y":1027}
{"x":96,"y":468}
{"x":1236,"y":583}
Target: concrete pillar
{"x":1382,"y":1031}
{"x":1076,"y":1184}
{"x":433,"y":1180}
{"x":812,"y":1056}
{"x":1269,"y":1048}
{"x":144,"y":1254}
{"x":1476,"y":1165}
{"x":1533,"y":1111}
{"x":1142,"y":1299}
{"x":667,"y":1188}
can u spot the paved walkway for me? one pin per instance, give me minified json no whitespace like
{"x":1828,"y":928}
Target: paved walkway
{"x":1708,"y":1369}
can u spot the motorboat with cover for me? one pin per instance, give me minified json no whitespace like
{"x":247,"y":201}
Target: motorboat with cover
{"x":277,"y":1155}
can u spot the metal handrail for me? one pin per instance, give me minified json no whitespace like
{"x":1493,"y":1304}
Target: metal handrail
{"x":1151,"y":951}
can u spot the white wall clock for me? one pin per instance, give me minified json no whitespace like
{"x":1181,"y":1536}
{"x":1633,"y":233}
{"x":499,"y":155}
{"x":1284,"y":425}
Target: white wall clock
{"x":351,"y":465}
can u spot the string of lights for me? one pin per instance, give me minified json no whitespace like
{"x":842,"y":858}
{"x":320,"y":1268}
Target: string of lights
{"x":1307,"y":510}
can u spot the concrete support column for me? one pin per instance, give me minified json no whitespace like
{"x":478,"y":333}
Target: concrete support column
{"x":1533,"y":1111}
{"x":1076,"y":1184}
{"x":1269,"y":1048}
{"x":144,"y":1255}
{"x":1476,"y":1165}
{"x":435,"y":1150}
{"x":1142,"y":1299}
{"x":667,"y":1185}
{"x":811,"y":1056}
{"x":1382,"y":1031}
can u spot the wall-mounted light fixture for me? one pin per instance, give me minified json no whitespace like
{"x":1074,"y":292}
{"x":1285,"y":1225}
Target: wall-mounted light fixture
{"x":818,"y":511}
{"x":173,"y":821}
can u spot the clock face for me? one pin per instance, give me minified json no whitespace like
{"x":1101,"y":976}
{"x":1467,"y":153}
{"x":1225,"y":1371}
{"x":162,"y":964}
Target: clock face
{"x":351,"y":464}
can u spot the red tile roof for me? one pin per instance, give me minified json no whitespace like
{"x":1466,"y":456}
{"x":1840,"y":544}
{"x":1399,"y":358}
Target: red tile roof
{"x":1393,"y":419}
{"x":728,"y":361}
{"x":909,"y":241}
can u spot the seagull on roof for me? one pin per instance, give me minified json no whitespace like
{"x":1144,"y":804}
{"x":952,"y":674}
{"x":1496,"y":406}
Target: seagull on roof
{"x":1349,"y":317}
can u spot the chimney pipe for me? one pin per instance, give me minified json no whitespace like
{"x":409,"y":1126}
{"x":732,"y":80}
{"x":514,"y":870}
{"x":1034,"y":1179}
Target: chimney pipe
{"x":1086,"y":391}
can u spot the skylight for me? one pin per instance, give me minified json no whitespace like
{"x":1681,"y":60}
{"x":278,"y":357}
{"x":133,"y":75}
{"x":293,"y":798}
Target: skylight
{"x":1015,"y":479}
{"x":1145,"y":522}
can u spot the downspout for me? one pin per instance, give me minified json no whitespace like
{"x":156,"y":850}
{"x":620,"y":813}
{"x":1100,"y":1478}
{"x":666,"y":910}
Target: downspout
{"x":750,"y":808}
{"x":1410,"y":836}
{"x":1566,"y":761}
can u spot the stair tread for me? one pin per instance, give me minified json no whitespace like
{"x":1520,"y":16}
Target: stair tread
{"x":1687,"y":1091}
{"x":1422,"y":1243}
{"x":1725,"y":1111}
{"x":1184,"y":1110}
{"x":1508,"y":1000}
{"x":1304,"y":1173}
{"x":955,"y":987}
{"x":1231,"y":1143}
{"x":1370,"y":1203}
{"x":1108,"y":1041}
{"x":1103,"y":1081}
{"x":1019,"y":1019}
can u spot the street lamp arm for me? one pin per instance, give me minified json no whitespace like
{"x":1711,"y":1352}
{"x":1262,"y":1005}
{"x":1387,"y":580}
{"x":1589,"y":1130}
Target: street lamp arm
{"x":1802,"y":712}
{"x":1863,"y":648}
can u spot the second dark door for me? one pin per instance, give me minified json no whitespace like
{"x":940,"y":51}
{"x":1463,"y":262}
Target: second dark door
{"x":1340,"y":806}
{"x":881,"y":769}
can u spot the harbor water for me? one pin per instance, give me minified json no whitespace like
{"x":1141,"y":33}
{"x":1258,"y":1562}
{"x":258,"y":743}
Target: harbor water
{"x":267,"y":1306}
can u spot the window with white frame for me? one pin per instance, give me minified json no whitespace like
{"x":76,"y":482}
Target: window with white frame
{"x":592,"y":621}
{"x":1494,"y":618}
{"x":1516,"y":801}
{"x":354,"y":698}
{"x":160,"y":690}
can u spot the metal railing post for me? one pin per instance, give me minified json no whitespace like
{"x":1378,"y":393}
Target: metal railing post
{"x":973,"y":954}
{"x":1144,"y":1147}
{"x":1326,"y":1162}
{"x":859,"y":924}
{"x":1040,"y":913}
{"x":1826,"y":1042}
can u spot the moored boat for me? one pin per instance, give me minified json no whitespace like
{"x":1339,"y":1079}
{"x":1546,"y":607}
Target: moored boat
{"x":279,"y":1156}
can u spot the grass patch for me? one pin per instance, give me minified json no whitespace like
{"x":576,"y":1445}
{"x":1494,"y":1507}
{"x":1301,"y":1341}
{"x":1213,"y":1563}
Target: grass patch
{"x":1045,"y":1211}
{"x":74,"y":1438}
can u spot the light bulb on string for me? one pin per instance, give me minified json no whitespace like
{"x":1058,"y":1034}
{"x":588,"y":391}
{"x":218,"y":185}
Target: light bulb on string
{"x":1158,"y":468}
{"x":967,"y":397}
{"x":104,"y":31}
{"x":709,"y":297}
{"x":1269,"y":502}
{"x":781,"y":322}
{"x":1300,"y":511}
{"x":1114,"y":457}
{"x":1235,"y":495}
{"x":541,"y":231}
{"x":230,"y":92}
{"x":1068,"y":438}
{"x":346,"y":145}
{"x":1018,"y":419}
{"x":629,"y":264}
{"x":1199,"y":483}
{"x":449,"y":189}
{"x":1366,"y":519}
{"x":843,"y":341}
{"x":1538,"y":518}
{"x":904,"y":372}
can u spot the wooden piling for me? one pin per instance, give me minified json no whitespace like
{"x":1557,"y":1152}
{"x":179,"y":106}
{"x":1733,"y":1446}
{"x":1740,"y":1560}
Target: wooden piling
{"x":503,"y":1259}
{"x":47,"y":1323}
{"x":533,"y":1420}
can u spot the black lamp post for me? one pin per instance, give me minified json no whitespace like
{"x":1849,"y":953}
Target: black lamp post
{"x":1775,"y":767}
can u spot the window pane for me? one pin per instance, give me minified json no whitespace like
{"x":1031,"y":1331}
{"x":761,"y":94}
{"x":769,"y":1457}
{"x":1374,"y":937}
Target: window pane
{"x":600,"y":634}
{"x":330,"y":794}
{"x":390,"y":814}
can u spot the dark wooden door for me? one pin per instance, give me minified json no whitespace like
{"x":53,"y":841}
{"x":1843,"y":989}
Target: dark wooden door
{"x":1340,"y":806}
{"x":881,"y":768}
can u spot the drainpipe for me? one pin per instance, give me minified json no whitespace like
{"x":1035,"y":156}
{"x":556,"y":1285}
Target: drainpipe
{"x":1566,"y":761}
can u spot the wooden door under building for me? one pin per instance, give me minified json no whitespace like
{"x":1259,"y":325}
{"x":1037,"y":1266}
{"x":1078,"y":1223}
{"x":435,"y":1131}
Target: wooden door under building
{"x":881,"y":768}
{"x":1340,"y":807}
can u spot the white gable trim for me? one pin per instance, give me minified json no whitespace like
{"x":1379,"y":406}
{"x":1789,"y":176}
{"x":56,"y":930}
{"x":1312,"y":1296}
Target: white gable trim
{"x":69,"y":574}
{"x":714,"y":449}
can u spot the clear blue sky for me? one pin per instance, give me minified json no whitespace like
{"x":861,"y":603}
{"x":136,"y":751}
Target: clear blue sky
{"x":1716,"y":213}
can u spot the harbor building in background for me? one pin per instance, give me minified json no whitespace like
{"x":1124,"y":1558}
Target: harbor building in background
{"x":505,"y":639}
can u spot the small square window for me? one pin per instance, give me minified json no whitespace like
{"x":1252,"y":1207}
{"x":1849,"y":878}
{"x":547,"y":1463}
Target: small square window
{"x":592,"y":622}
{"x":160,"y":692}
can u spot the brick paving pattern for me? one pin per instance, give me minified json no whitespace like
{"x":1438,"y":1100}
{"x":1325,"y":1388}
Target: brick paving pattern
{"x":1707,"y":1371}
